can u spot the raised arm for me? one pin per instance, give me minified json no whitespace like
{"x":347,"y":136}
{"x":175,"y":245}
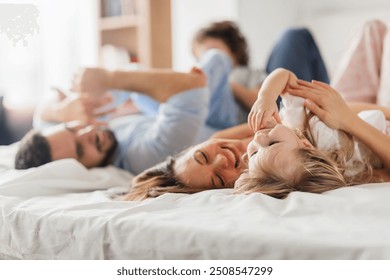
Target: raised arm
{"x":330,"y":107}
{"x":265,"y":107}
{"x":158,"y":84}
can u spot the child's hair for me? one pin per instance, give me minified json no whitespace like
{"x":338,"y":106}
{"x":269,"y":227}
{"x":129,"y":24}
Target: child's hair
{"x":316,"y":171}
{"x":230,"y":34}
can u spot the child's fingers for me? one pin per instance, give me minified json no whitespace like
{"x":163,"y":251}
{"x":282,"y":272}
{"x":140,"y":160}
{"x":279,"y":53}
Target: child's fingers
{"x":321,"y":84}
{"x":312,"y":94}
{"x":277,"y":117}
{"x":258,"y":121}
{"x":306,"y":84}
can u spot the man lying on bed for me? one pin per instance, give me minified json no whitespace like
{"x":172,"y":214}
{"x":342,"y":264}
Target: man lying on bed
{"x":149,"y":140}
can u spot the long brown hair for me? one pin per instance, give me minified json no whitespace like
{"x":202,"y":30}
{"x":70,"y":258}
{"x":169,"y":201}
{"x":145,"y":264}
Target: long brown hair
{"x":158,"y":180}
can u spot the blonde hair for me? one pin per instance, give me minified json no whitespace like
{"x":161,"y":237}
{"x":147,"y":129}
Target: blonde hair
{"x":316,"y":171}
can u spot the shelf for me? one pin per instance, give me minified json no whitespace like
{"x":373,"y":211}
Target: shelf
{"x":141,"y":27}
{"x":118,"y":22}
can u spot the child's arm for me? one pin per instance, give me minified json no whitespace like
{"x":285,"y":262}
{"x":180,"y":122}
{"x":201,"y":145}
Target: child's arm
{"x":330,"y":107}
{"x":265,"y":107}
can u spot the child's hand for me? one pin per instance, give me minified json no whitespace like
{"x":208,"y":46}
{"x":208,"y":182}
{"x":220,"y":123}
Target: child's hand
{"x":325,"y":102}
{"x":263,"y":111}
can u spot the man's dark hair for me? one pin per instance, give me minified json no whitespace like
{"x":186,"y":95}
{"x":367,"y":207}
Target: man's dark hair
{"x":34,"y":151}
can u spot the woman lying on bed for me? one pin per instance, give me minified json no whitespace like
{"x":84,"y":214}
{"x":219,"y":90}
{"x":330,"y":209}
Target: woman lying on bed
{"x":328,"y":158}
{"x":285,"y":154}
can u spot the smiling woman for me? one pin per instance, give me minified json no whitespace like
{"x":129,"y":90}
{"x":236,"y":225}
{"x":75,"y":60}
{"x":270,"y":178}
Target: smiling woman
{"x":215,"y":163}
{"x":218,"y":160}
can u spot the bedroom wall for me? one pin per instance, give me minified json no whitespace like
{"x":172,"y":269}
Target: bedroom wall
{"x":187,"y":17}
{"x":331,"y":22}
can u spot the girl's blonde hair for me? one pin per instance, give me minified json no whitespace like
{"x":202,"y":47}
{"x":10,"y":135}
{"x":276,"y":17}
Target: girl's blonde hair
{"x":316,"y":171}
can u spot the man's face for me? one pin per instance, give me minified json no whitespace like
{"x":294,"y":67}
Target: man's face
{"x":91,"y":145}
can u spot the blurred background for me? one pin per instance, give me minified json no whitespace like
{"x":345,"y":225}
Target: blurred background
{"x":44,"y":42}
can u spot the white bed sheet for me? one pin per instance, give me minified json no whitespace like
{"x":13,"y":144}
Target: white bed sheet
{"x":64,"y":211}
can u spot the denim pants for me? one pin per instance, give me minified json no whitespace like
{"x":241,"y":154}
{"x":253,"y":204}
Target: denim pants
{"x":296,"y":50}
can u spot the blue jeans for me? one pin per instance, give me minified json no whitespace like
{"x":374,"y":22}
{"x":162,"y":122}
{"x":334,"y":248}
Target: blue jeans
{"x":297,"y":51}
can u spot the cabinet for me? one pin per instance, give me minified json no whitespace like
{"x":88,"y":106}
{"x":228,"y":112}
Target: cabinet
{"x":140,"y":27}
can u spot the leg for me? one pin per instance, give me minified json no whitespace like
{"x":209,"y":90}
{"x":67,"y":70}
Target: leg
{"x":297,"y":51}
{"x":357,"y":77}
{"x":383,"y":97}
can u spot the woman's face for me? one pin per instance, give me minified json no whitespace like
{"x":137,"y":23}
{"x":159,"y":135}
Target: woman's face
{"x":216,"y":163}
{"x":276,"y":147}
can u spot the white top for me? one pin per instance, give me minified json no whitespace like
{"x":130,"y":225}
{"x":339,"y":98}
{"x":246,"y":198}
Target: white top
{"x":293,"y":113}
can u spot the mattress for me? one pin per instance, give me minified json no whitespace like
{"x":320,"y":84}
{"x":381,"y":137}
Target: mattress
{"x":63,"y":211}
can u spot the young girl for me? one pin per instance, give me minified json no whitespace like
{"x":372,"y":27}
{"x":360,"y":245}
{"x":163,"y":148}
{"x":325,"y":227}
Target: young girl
{"x":301,"y":153}
{"x":323,"y":157}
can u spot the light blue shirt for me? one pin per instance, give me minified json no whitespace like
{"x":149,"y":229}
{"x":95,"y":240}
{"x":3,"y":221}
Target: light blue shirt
{"x":144,"y":141}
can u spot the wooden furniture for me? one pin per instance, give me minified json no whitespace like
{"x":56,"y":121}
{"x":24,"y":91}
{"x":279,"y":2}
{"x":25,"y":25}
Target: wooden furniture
{"x":142,"y":27}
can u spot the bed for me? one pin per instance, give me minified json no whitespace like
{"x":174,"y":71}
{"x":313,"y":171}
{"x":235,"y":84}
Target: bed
{"x":63,"y":211}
